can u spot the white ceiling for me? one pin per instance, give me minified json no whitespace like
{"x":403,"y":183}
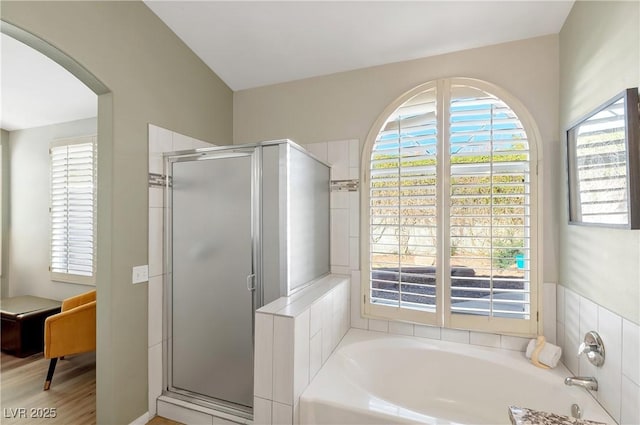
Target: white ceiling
{"x":36,"y":91}
{"x":255,"y":43}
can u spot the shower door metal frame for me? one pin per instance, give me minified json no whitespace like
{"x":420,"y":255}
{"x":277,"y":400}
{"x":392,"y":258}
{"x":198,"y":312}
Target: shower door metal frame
{"x":208,"y":154}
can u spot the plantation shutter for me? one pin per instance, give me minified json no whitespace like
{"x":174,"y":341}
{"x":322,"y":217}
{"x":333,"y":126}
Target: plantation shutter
{"x":73,"y":209}
{"x":489,"y":207}
{"x":450,"y":213}
{"x":403,"y":225}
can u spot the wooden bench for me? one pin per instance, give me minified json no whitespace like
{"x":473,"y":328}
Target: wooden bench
{"x":23,"y":323}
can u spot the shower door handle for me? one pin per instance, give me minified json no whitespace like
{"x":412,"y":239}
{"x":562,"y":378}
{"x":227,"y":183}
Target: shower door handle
{"x":251,"y":282}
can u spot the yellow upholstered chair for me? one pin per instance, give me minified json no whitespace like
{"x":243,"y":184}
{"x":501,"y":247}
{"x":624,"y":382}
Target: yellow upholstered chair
{"x":72,"y":331}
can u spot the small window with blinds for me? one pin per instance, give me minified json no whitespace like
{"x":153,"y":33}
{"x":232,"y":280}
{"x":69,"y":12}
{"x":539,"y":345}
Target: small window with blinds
{"x":452,"y":213}
{"x":73,"y":210}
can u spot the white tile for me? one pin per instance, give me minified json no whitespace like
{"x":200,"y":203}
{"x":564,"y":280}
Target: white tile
{"x":315,"y":318}
{"x":560,"y":303}
{"x":197,"y":144}
{"x":484,"y":339}
{"x":514,"y":343}
{"x":455,"y":335}
{"x":220,"y":421}
{"x":154,"y":330}
{"x":319,"y":150}
{"x":184,"y":415}
{"x":400,"y":328}
{"x":354,"y":253}
{"x":588,"y":316}
{"x":378,"y":325}
{"x":345,"y":309}
{"x":354,"y":214}
{"x":560,"y":334}
{"x":155,"y":376}
{"x":263,"y":360}
{"x":300,"y":354}
{"x":432,"y":332}
{"x":571,"y":332}
{"x":160,"y":140}
{"x":261,"y":411}
{"x":345,"y":270}
{"x":357,"y":321}
{"x":337,"y":310}
{"x":572,"y":316}
{"x":354,"y":153}
{"x":338,"y":158}
{"x":327,"y":326}
{"x":182,"y":142}
{"x":631,"y":351}
{"x":609,"y":375}
{"x":296,"y":413}
{"x":315,"y":355}
{"x":549,"y":312}
{"x":630,"y":403}
{"x":340,"y":237}
{"x":339,"y":199}
{"x":152,"y":134}
{"x":156,"y":163}
{"x":588,"y":322}
{"x":283,"y":359}
{"x":282,"y":414}
{"x":156,"y":197}
{"x":165,"y":140}
{"x":155,"y":241}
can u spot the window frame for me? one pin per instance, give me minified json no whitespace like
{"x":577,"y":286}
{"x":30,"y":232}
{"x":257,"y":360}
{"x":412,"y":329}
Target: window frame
{"x":443,"y":317}
{"x":71,"y":277}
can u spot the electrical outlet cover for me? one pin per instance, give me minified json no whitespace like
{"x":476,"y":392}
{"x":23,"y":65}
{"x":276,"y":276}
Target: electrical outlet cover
{"x":140,"y":274}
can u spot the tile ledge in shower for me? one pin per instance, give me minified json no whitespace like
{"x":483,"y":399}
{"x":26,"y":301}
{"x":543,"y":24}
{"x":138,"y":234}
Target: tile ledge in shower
{"x":295,"y":304}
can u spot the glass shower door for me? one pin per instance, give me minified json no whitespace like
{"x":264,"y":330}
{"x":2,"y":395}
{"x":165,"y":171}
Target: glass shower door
{"x":212,"y":221}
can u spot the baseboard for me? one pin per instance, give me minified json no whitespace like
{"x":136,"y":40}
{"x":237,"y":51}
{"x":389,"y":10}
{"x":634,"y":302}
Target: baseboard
{"x":142,"y":420}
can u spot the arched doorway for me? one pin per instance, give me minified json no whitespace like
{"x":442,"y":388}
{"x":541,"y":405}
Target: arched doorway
{"x":104,"y":166}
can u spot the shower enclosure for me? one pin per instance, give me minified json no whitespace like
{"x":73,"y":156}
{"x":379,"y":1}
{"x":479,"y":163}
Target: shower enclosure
{"x":245,"y":226}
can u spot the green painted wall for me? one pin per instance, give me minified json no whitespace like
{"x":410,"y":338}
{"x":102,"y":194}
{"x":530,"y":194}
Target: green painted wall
{"x":599,"y":57}
{"x":153,"y":78}
{"x":4,"y":279}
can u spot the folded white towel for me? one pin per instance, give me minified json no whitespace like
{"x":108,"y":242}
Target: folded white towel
{"x":549,"y":354}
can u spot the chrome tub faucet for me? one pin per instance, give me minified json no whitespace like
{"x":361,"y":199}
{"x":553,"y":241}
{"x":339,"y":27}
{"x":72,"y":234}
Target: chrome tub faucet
{"x":587,"y":382}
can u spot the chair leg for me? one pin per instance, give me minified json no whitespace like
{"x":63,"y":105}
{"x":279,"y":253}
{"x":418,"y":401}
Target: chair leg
{"x":52,"y":368}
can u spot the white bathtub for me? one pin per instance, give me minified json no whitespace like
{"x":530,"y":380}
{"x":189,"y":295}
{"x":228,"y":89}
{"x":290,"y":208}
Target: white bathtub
{"x":375,"y":378}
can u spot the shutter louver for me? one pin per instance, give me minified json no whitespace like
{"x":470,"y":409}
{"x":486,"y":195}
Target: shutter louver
{"x":489,"y":207}
{"x":73,"y":208}
{"x":403,"y":223}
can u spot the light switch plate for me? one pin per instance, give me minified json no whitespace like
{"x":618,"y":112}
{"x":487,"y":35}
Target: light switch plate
{"x":140,"y":274}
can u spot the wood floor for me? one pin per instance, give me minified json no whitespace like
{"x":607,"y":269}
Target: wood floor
{"x":72,"y":393}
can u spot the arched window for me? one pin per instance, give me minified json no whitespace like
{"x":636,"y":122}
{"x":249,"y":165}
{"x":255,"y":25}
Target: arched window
{"x":452,"y":214}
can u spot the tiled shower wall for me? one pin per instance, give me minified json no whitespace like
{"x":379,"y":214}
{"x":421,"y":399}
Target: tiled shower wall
{"x":293,"y":339}
{"x":160,"y":141}
{"x":619,"y":377}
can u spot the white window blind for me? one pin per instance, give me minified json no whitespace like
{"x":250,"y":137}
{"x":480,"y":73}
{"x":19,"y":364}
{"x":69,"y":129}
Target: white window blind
{"x":73,"y":209}
{"x":403,"y":207}
{"x":489,"y":211}
{"x":450,"y":213}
